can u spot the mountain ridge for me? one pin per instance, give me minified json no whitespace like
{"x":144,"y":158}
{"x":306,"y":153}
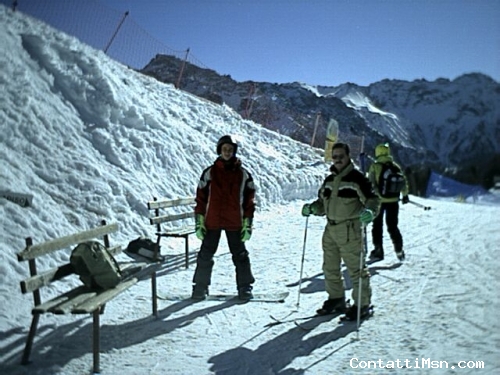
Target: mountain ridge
{"x":450,"y":126}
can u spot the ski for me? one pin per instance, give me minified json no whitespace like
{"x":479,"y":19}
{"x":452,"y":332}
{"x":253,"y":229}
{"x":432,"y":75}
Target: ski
{"x":257,"y":297}
{"x":277,"y":321}
{"x":296,"y":321}
{"x":326,"y":317}
{"x":372,"y":260}
{"x":364,"y":316}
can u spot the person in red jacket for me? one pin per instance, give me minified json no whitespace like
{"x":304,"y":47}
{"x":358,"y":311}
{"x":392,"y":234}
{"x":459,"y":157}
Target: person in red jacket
{"x":224,"y":201}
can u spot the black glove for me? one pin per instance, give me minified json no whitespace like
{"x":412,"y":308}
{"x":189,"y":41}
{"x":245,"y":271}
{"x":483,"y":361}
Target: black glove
{"x":405,"y":199}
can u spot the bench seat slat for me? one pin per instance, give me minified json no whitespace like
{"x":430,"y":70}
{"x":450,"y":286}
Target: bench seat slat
{"x":63,"y":298}
{"x":93,"y":303}
{"x":34,"y":251}
{"x":67,"y":307}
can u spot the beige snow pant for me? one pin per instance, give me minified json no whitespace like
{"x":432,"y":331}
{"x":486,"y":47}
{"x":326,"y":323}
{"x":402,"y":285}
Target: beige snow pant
{"x":343,"y":242}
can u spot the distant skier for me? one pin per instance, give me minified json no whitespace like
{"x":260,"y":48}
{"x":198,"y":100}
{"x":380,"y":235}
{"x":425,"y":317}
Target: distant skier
{"x":347,"y":199}
{"x":224,"y":201}
{"x":389,"y":182}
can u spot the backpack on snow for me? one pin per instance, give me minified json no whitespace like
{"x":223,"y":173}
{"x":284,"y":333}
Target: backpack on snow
{"x":391,"y":181}
{"x":95,"y":265}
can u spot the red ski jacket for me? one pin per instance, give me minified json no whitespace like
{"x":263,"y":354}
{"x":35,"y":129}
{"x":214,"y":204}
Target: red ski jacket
{"x":225,"y":195}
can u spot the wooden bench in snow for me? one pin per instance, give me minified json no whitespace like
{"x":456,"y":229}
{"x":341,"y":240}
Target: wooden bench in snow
{"x":80,"y":300}
{"x":179,"y":213}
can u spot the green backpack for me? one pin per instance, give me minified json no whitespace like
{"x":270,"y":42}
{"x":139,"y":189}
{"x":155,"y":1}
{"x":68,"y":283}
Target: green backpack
{"x":95,"y":265}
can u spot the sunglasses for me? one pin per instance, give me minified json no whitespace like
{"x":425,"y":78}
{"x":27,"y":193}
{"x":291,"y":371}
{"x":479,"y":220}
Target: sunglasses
{"x":338,"y":157}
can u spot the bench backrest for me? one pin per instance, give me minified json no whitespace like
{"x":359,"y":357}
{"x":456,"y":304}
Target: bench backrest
{"x":161,"y":214}
{"x":33,"y":251}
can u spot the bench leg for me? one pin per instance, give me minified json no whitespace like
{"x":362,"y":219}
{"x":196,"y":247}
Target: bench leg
{"x":96,"y":338}
{"x":154,"y":294}
{"x":187,"y":251}
{"x":29,"y":341}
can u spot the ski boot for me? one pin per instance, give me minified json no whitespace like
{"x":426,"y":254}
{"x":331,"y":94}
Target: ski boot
{"x":377,"y":253}
{"x":200,"y":292}
{"x":352,"y":313}
{"x":398,"y":248}
{"x":245,"y":292}
{"x":332,"y":305}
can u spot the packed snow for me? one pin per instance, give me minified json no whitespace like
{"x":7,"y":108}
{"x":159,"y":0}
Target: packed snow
{"x":90,"y":139}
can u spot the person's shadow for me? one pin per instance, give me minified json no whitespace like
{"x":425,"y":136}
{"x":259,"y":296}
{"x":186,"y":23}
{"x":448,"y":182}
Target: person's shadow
{"x":273,"y":356}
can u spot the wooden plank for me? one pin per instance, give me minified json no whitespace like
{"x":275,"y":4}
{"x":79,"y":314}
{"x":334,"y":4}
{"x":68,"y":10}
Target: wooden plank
{"x":167,"y":218}
{"x":46,"y":306}
{"x":131,"y":268}
{"x":166,"y":203}
{"x":179,"y":233}
{"x":43,"y":279}
{"x":146,"y":272}
{"x":67,"y":306}
{"x":34,"y":251}
{"x":105,"y":296}
{"x":91,"y":304}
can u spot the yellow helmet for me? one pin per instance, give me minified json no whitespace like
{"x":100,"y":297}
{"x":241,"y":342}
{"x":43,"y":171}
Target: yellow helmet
{"x":382,"y":150}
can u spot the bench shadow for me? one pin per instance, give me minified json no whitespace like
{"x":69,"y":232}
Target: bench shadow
{"x":170,"y":262}
{"x":52,"y":349}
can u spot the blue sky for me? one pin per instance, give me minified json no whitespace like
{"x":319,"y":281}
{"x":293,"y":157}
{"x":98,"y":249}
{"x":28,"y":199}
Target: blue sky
{"x":327,"y":42}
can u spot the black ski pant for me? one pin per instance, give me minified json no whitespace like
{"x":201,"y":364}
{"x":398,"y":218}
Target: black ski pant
{"x":205,"y":260}
{"x":391,"y":212}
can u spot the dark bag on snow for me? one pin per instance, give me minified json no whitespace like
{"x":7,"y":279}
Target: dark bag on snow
{"x":144,"y":247}
{"x":95,"y":265}
{"x":391,"y":181}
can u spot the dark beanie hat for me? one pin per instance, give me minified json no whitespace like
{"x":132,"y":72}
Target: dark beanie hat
{"x":226,"y":140}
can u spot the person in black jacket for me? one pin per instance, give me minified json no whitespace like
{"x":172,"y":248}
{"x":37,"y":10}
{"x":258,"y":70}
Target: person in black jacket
{"x":389,"y":197}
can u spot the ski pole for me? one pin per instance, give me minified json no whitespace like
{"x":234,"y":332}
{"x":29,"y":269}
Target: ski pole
{"x":360,"y":284}
{"x":362,"y":162}
{"x":426,"y":208}
{"x":302,"y":262}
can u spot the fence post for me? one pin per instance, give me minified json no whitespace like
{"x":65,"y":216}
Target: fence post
{"x":116,"y":32}
{"x":178,"y":84}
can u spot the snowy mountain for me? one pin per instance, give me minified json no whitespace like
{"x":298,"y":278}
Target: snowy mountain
{"x":450,"y":126}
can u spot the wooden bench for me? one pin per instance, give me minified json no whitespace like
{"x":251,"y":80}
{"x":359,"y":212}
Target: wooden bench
{"x":80,"y":300}
{"x":175,"y":211}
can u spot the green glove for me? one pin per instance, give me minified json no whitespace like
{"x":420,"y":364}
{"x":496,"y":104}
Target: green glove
{"x":200,"y":228}
{"x":246,"y":231}
{"x":308,"y":209}
{"x":366,"y":216}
